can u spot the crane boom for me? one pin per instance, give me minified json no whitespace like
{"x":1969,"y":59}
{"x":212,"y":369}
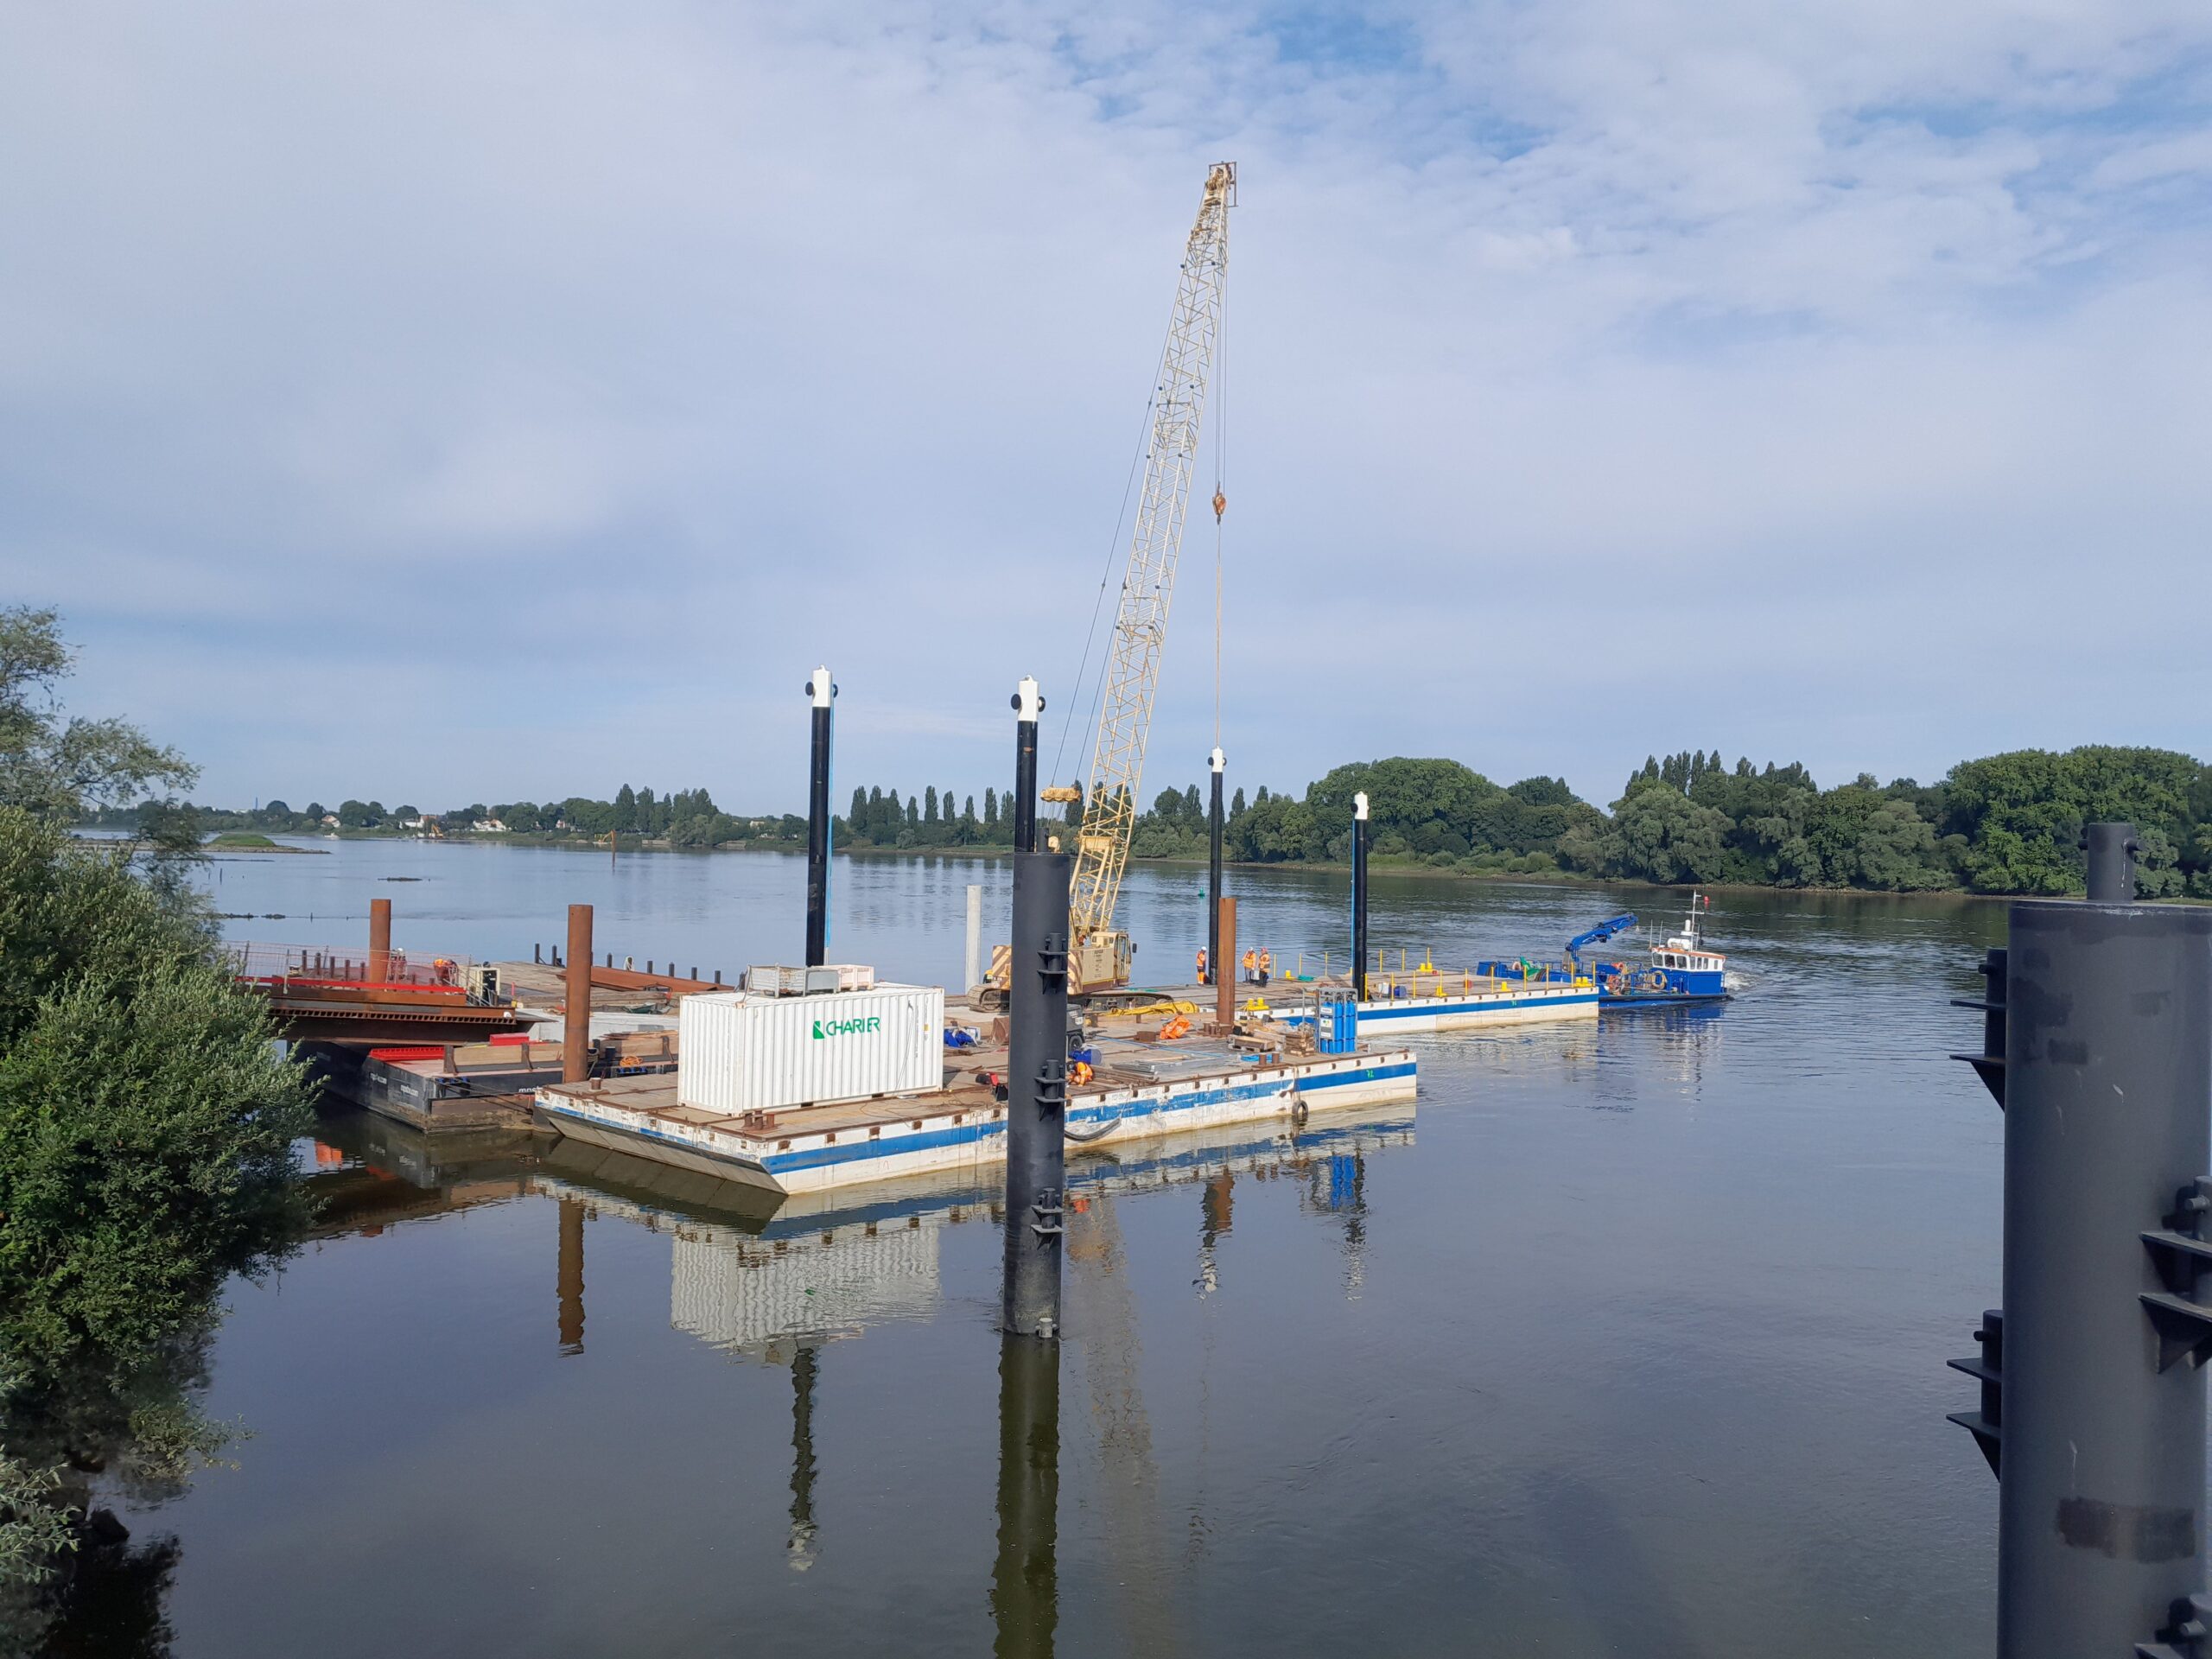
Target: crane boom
{"x":1132,"y":666}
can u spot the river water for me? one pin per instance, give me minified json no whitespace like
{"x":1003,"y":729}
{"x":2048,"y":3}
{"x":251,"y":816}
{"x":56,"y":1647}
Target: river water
{"x":1626,"y":1338}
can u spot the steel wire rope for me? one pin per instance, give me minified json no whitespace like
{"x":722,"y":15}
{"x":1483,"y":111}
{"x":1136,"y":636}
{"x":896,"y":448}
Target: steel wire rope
{"x":1220,"y":467}
{"x":1113,"y":548}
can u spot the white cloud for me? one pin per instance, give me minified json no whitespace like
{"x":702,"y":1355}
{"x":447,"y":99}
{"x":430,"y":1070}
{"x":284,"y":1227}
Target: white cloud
{"x":629,"y":363}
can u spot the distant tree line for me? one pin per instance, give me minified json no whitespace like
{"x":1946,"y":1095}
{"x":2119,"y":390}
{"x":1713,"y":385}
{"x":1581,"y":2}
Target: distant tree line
{"x":2007,"y":823}
{"x":877,"y":817}
{"x":685,"y":818}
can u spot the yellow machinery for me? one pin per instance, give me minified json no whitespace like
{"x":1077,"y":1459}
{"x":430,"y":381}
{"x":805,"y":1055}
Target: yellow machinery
{"x":1101,"y":952}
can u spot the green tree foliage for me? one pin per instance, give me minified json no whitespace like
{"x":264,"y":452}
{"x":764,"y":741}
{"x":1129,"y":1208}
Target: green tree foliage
{"x":55,"y":768}
{"x":144,"y":1120}
{"x":2022,"y":812}
{"x":145,"y":1124}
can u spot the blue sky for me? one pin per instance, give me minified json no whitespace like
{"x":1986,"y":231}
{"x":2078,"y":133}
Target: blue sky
{"x":451,"y":402}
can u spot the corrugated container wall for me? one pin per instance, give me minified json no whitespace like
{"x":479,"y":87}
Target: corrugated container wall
{"x":738,"y":1052}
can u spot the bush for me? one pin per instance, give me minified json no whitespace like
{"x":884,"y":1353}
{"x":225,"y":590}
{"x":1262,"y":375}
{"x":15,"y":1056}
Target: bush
{"x":145,"y":1130}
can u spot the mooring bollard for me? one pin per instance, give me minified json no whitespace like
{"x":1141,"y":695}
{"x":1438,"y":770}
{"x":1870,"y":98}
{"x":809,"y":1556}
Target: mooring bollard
{"x":2098,"y":1045}
{"x":1037,"y":1089}
{"x":822,"y":692}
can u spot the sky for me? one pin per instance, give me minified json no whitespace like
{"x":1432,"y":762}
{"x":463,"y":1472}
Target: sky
{"x":460,"y":401}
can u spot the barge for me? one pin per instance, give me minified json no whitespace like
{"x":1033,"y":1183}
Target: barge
{"x":772,"y":1097}
{"x":1419,"y":1001}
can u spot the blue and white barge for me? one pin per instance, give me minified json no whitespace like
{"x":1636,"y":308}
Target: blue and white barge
{"x":1417,"y":1002}
{"x":775,"y":1129}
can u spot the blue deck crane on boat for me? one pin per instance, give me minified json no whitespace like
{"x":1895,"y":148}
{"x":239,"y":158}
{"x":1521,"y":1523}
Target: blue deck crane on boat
{"x":1598,"y":935}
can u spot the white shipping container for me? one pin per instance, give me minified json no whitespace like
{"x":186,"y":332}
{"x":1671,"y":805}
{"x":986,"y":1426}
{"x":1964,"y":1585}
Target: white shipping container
{"x":741,"y":1052}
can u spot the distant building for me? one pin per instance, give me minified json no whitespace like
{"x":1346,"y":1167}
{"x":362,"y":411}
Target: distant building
{"x":330,"y":818}
{"x":414,"y":823}
{"x":489,"y":827}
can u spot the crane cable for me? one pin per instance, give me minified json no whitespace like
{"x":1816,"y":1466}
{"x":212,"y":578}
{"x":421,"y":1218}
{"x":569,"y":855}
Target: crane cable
{"x":1097,"y":605}
{"x":1220,"y":465}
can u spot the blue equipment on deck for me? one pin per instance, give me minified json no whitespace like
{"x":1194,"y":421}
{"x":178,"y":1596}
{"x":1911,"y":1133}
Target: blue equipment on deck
{"x":1339,"y":1030}
{"x":1598,"y":935}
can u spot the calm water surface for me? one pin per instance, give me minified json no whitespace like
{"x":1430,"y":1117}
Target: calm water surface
{"x":1628,"y":1338}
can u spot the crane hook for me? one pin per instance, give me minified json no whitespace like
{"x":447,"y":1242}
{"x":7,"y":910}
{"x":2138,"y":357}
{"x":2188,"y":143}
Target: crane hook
{"x":1220,"y":506}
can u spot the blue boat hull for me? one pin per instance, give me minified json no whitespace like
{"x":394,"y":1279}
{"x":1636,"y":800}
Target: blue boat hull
{"x":1621,"y":983}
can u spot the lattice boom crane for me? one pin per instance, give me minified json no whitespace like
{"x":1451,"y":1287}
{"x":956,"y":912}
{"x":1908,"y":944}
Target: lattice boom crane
{"x":1132,"y":669}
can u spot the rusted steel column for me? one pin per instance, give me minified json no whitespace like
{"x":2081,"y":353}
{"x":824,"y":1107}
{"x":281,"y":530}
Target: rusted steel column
{"x":1223,"y":969}
{"x":569,"y":1286}
{"x":575,"y":1015}
{"x":1224,"y":965}
{"x":379,"y":940}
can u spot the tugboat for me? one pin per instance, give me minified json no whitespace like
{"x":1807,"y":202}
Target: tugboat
{"x":1680,"y":970}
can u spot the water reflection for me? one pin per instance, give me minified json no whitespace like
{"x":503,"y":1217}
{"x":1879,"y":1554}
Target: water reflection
{"x":1025,"y":1578}
{"x":569,"y":1282}
{"x":778,"y":1282}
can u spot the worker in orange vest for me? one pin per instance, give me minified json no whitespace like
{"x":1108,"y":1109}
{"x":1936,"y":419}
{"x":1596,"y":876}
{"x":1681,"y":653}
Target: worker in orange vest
{"x":1251,"y":966}
{"x":1202,"y":964}
{"x":1267,"y":965}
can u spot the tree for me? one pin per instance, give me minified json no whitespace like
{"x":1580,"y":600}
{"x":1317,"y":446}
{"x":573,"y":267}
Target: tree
{"x":929,"y":806}
{"x":625,"y":811}
{"x":990,"y":814}
{"x":1660,"y":834}
{"x":1543,"y":792}
{"x":1897,"y":851}
{"x":61,"y":770}
{"x":145,"y":1134}
{"x":1237,"y":801}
